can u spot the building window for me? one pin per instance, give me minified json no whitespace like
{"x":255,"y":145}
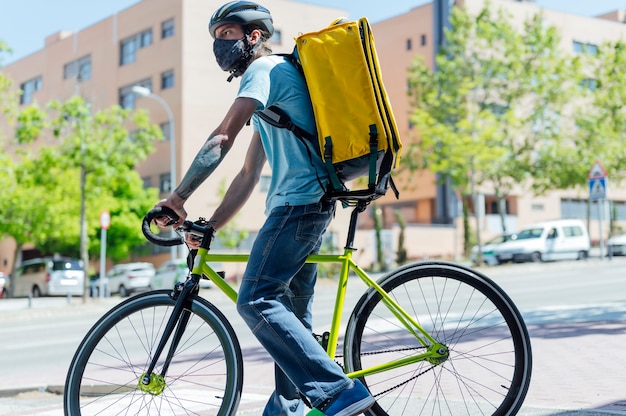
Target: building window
{"x":591,"y":49}
{"x":576,"y":208}
{"x":578,"y":47}
{"x":537,"y":207}
{"x":80,"y":69}
{"x":618,"y":210}
{"x":423,"y":40}
{"x":29,"y":88}
{"x":164,"y":183}
{"x":494,"y":207}
{"x":277,"y":37}
{"x":127,"y":96}
{"x":167,"y":28}
{"x":167,"y":80}
{"x":409,"y":44}
{"x":147,"y":182}
{"x":130,"y":46}
{"x":165,"y":128}
{"x":581,"y":47}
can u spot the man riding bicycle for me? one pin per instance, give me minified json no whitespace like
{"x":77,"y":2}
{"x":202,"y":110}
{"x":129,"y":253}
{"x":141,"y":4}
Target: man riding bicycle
{"x":276,"y":292}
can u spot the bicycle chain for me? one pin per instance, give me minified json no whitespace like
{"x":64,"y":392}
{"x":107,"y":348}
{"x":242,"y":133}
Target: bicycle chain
{"x":404,"y":382}
{"x":393,"y":350}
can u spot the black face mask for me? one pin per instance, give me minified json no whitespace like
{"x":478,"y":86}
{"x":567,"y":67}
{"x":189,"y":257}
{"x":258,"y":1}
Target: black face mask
{"x":230,"y":53}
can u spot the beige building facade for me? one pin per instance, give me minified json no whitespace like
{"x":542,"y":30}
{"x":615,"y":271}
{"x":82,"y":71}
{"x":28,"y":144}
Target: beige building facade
{"x":164,"y":45}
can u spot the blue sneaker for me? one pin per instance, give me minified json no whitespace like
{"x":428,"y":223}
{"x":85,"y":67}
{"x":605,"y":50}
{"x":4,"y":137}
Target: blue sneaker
{"x":350,"y":402}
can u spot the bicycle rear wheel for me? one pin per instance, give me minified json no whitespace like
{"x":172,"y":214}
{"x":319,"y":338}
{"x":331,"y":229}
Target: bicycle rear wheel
{"x":205,"y":376}
{"x":489,"y":365}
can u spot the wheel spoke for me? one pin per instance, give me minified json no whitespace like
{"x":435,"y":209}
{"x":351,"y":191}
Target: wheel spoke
{"x":489,"y":363}
{"x":203,"y":378}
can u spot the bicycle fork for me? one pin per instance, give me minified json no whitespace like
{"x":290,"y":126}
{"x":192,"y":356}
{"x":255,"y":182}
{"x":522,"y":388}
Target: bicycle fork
{"x":150,"y":382}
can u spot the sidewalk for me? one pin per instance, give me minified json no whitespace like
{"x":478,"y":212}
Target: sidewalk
{"x":577,"y":365}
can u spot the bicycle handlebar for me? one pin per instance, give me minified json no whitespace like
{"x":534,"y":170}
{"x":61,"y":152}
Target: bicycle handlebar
{"x":198,"y":230}
{"x":154,"y":238}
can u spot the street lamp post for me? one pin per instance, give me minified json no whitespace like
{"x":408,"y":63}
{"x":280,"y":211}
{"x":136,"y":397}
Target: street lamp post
{"x":145,"y":92}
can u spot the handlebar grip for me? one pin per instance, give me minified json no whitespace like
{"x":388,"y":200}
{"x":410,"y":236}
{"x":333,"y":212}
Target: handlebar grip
{"x":154,"y":238}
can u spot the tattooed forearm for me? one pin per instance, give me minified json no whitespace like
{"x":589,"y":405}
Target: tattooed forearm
{"x":203,"y":165}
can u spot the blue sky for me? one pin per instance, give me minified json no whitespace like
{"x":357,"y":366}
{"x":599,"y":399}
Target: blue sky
{"x":24,"y":24}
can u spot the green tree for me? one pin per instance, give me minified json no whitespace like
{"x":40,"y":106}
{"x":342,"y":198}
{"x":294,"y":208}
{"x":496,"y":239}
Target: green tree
{"x":8,"y":96}
{"x":477,"y":114}
{"x":381,"y":264}
{"x":600,"y":120}
{"x":21,"y":214}
{"x":99,"y":153}
{"x":401,"y":256}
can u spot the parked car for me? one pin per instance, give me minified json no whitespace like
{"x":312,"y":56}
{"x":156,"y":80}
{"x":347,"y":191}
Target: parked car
{"x":617,"y":245}
{"x":547,"y":241}
{"x":48,"y":276}
{"x":174,"y":271}
{"x":128,"y":278}
{"x":94,"y":286}
{"x":488,"y":249}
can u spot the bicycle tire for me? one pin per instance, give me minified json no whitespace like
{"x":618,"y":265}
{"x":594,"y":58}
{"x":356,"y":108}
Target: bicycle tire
{"x":205,"y":376}
{"x":489,"y":366}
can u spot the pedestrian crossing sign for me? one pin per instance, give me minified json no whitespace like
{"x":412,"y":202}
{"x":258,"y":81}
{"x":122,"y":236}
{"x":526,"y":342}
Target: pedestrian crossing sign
{"x":597,"y":188}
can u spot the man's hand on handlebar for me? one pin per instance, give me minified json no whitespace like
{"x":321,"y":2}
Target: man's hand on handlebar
{"x":175,"y":203}
{"x":193,"y":240}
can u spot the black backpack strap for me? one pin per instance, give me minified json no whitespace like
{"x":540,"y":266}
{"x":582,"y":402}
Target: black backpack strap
{"x":385,"y":180}
{"x":278,"y":118}
{"x":373,"y":155}
{"x":335,"y":182}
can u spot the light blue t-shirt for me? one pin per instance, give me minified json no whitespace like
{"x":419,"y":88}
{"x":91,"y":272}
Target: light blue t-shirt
{"x":296,"y":175}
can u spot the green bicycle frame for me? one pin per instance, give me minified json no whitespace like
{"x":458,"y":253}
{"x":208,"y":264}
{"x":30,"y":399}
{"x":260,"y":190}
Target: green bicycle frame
{"x":435,"y":351}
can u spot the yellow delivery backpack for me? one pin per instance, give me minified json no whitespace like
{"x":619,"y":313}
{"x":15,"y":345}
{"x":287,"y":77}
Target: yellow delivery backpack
{"x":357,"y":134}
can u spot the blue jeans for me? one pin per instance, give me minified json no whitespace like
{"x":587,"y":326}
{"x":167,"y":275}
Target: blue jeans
{"x":275,"y":301}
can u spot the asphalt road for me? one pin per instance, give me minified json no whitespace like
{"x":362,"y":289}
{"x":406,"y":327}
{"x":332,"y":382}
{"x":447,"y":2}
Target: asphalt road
{"x":575,"y":312}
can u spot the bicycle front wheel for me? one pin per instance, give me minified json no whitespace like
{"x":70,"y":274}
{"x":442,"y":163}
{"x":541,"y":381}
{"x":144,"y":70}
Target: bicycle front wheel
{"x":488,"y":364}
{"x":204,"y":377}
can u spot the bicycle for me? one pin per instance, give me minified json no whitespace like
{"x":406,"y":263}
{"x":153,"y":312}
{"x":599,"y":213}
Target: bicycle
{"x":429,"y":338}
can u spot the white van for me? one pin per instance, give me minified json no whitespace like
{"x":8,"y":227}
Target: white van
{"x":547,"y":241}
{"x":48,"y":277}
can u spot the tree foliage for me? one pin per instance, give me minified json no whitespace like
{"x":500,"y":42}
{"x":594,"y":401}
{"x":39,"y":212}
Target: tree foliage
{"x":492,"y":103}
{"x":72,"y":164}
{"x":8,"y":96}
{"x":600,"y":118}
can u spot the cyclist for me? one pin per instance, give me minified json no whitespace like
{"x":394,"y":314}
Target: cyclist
{"x":277,"y":287}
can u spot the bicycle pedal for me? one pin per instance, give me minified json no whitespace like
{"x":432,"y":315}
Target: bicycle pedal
{"x":221,"y":274}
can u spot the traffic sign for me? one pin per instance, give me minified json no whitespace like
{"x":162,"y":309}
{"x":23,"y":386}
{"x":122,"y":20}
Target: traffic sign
{"x":597,"y":171}
{"x":105,"y":220}
{"x":597,"y":188}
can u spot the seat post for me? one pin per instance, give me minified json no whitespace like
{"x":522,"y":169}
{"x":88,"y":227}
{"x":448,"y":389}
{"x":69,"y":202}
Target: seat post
{"x":360,"y":207}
